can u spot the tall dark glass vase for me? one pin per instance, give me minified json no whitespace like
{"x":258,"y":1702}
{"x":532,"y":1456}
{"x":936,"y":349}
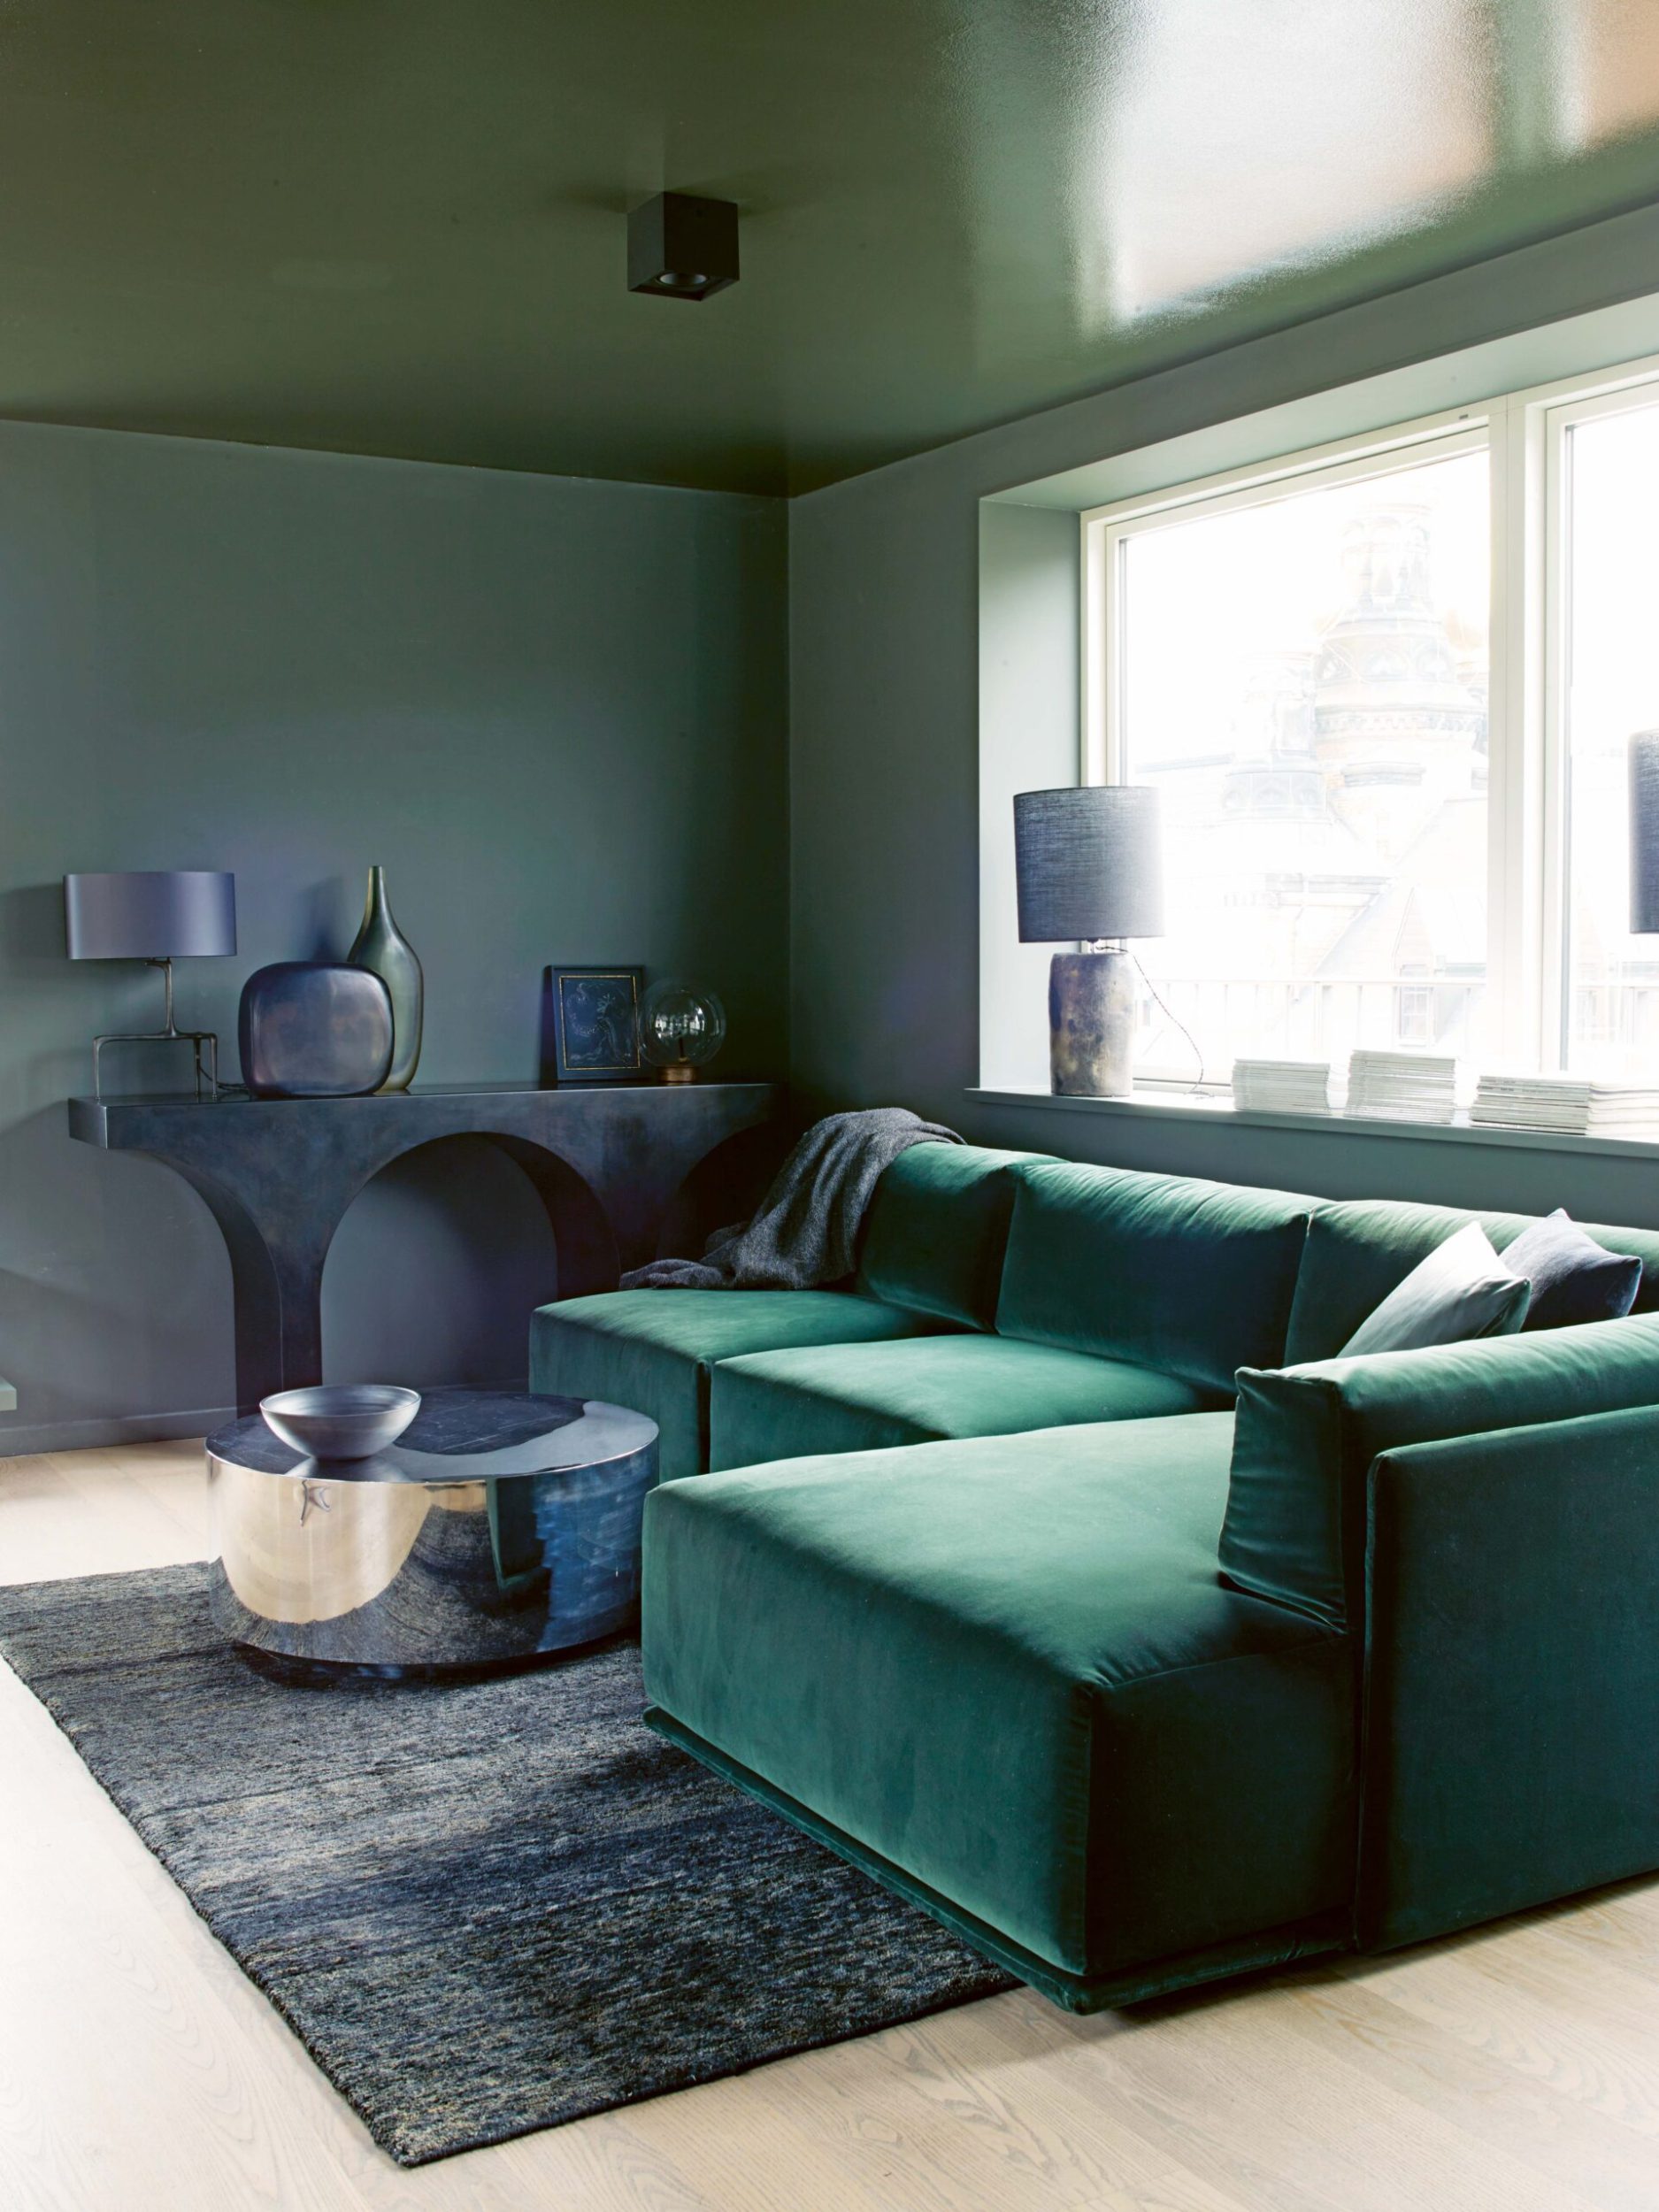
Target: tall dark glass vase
{"x":382,"y":948}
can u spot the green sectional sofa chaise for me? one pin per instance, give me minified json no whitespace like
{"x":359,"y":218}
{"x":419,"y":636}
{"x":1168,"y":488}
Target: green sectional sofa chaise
{"x":1059,"y":1572}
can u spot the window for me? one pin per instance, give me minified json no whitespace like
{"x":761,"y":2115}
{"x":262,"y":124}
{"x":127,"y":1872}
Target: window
{"x":1386,"y":690}
{"x":1304,"y":676}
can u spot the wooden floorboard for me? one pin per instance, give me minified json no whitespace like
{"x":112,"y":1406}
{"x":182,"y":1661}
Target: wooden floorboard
{"x":1514,"y":2069}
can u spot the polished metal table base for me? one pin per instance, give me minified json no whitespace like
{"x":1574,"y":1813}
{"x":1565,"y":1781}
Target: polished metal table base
{"x":502,"y":1531}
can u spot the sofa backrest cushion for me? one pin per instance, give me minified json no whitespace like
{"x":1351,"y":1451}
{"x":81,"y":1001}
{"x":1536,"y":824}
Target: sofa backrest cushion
{"x":934,"y":1233}
{"x":1358,"y":1251}
{"x":1191,"y":1278}
{"x":1304,"y":1439}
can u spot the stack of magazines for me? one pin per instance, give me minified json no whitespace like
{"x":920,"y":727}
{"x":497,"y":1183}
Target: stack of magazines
{"x":1567,"y":1103}
{"x":1282,"y":1086}
{"x":1623,"y":1110}
{"x":1533,"y":1101}
{"x":1401,"y":1086}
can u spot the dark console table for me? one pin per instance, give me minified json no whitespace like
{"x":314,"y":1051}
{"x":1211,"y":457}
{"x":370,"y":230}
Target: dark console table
{"x":619,"y":1171}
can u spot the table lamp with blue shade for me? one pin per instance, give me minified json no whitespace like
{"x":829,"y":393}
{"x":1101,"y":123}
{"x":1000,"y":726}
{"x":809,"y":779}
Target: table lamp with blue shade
{"x":158,"y":916}
{"x":1090,"y":869}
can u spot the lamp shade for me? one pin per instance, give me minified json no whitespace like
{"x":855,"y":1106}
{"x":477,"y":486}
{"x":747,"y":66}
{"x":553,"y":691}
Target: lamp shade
{"x":1644,"y":833}
{"x":1089,"y":862}
{"x":150,"y":914}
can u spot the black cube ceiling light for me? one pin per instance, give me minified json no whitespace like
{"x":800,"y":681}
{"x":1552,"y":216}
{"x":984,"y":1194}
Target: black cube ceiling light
{"x":681,"y":247}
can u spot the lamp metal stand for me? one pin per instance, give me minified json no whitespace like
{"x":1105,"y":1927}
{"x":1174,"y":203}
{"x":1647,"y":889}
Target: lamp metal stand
{"x":206,"y":1064}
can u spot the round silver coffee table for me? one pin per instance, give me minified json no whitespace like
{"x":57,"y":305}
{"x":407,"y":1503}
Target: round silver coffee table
{"x":501,"y":1529}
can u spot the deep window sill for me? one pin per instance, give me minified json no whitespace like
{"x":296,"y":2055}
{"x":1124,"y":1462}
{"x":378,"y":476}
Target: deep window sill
{"x":1164,"y":1105}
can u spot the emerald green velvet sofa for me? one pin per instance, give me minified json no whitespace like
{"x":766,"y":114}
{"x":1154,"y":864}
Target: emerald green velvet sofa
{"x":1059,"y":1572}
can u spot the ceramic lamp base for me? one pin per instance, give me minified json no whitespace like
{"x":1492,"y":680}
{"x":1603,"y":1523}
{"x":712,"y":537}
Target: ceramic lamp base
{"x":1091,"y":1024}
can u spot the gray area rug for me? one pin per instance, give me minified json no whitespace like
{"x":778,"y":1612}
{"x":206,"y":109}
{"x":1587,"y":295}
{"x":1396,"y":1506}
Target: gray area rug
{"x":484,"y":1908}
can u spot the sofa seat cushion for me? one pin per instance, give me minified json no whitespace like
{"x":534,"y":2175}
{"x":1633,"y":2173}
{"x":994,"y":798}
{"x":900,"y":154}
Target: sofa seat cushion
{"x":859,"y":1397}
{"x":1008,"y":1669}
{"x":1192,"y":1278}
{"x":652,"y":1349}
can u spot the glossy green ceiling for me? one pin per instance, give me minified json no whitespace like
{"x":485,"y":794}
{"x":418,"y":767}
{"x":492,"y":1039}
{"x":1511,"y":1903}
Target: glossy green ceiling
{"x":397,"y":225}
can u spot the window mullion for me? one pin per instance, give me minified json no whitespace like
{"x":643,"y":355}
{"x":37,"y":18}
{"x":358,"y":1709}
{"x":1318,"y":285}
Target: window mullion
{"x":1549,"y":618}
{"x":1516,"y":832}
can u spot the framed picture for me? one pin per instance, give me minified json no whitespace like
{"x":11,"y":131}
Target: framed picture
{"x":595,"y":1021}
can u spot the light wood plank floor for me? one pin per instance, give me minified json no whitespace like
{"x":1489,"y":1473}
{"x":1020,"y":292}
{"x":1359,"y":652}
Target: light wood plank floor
{"x":1515,"y":2070}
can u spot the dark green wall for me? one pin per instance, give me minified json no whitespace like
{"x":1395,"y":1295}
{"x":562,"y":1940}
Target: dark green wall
{"x":884,"y":582}
{"x":553,"y":710}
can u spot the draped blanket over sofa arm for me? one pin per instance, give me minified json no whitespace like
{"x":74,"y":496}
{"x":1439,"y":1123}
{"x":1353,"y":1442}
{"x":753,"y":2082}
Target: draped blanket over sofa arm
{"x":1511,"y":1738}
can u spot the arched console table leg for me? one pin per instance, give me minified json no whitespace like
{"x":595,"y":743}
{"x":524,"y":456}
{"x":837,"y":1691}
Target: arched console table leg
{"x":277,"y":1174}
{"x":276,"y":1293}
{"x":255,"y":1294}
{"x":582,"y":1236}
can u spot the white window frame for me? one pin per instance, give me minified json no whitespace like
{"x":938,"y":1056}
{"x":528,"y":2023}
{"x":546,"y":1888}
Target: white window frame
{"x":1559,"y":409}
{"x":1524,"y":434}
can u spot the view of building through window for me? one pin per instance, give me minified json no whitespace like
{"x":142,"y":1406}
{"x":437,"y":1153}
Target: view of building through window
{"x":1612,"y":1001}
{"x":1304,"y":678}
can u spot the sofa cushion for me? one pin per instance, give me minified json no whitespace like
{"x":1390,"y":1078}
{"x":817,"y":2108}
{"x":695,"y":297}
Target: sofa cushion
{"x":652,"y":1349}
{"x":1358,"y":1249}
{"x":1008,"y":1669}
{"x":1306,"y":1437}
{"x":858,"y":1397}
{"x":1463,"y":1290}
{"x":934,"y":1233}
{"x":1192,"y":1278}
{"x":1574,"y":1278}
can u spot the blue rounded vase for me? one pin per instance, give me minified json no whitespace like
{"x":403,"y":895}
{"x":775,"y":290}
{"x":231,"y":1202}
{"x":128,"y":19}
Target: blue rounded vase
{"x":314,"y":1029}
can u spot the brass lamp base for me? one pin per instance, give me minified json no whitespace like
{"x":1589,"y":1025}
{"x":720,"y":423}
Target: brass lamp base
{"x":1091,"y":1024}
{"x":677,"y":1072}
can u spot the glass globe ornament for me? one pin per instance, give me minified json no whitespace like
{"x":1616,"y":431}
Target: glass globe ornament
{"x":682,"y":1028}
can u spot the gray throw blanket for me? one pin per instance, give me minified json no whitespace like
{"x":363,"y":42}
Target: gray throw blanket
{"x":806,"y":1231}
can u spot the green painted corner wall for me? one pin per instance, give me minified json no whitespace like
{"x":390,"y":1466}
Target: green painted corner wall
{"x":554,"y":710}
{"x":885,"y":675}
